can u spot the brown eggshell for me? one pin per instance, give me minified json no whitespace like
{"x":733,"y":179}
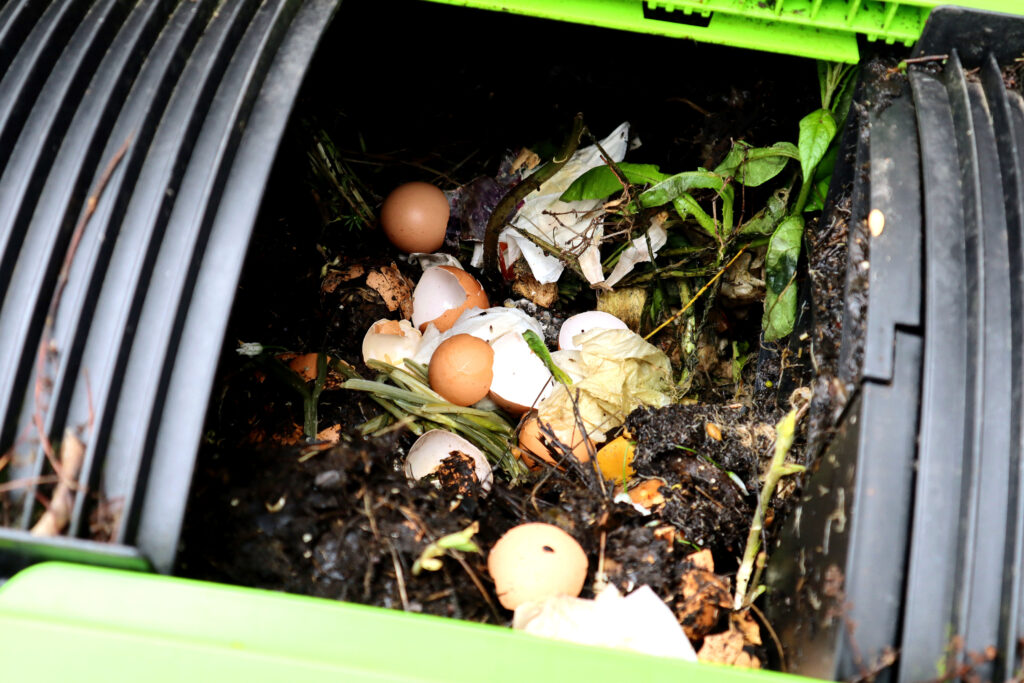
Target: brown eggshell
{"x":532,"y":444}
{"x":414,"y":217}
{"x":536,"y":561}
{"x":647,"y":494}
{"x":461,"y":369}
{"x":476,"y":297}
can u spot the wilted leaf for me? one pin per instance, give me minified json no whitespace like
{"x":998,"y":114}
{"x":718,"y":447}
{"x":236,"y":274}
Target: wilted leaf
{"x":393,"y":287}
{"x":816,"y":132}
{"x":704,"y":595}
{"x":601,"y":181}
{"x":680,"y":184}
{"x":780,"y":269}
{"x":753,"y":166}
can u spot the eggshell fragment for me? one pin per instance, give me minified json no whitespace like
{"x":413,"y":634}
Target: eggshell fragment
{"x":414,"y":217}
{"x":584,"y":322}
{"x":443,"y":294}
{"x":431,"y":450}
{"x":647,"y":493}
{"x":533,"y":444}
{"x":390,"y":341}
{"x":536,"y":561}
{"x":521,"y":379}
{"x":487,"y":324}
{"x":461,"y":369}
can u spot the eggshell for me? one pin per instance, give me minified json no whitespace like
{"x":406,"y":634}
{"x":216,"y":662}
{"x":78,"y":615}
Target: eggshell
{"x":434,"y":447}
{"x":461,"y":369}
{"x":536,"y":561}
{"x":582,"y":322}
{"x":647,"y":493}
{"x":414,"y":217}
{"x":443,"y":294}
{"x":390,"y":341}
{"x":532,"y":443}
{"x":521,"y":379}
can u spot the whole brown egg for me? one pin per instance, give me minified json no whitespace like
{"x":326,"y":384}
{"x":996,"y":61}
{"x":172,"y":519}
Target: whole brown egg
{"x":415,"y":217}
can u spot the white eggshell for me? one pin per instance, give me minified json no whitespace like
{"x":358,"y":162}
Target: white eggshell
{"x":437,"y":291}
{"x":521,"y":380}
{"x":390,"y":341}
{"x":487,"y":324}
{"x":583,"y":322}
{"x":431,"y":449}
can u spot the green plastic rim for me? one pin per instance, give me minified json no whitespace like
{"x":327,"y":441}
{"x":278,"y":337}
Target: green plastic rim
{"x":70,"y":622}
{"x":821,"y":29}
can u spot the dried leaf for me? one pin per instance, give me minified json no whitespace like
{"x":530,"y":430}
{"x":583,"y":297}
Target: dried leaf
{"x":702,"y":559}
{"x":334,"y":278}
{"x":58,"y":514}
{"x":304,"y":366}
{"x":727,"y":648}
{"x":330,"y":434}
{"x":704,"y":595}
{"x":393,"y":287}
{"x":527,"y":285}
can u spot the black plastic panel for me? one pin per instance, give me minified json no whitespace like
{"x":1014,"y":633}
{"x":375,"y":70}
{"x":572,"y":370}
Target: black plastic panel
{"x":150,"y":113}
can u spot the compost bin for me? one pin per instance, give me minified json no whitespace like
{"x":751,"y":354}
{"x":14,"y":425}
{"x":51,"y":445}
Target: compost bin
{"x":144,"y":147}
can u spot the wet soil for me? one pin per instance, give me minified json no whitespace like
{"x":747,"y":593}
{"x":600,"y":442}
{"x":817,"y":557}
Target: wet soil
{"x":270,"y":511}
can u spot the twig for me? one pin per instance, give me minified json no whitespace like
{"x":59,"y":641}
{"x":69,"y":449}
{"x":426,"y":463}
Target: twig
{"x":773,"y":635}
{"x":16,"y":484}
{"x":399,"y":575}
{"x":62,"y":278}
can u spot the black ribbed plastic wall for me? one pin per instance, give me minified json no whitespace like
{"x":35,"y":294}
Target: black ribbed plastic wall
{"x":905,"y":559}
{"x":136,"y":139}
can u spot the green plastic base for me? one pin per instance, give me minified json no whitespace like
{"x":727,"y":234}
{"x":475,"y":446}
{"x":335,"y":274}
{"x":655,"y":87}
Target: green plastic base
{"x":76,"y":623}
{"x":822,"y":29}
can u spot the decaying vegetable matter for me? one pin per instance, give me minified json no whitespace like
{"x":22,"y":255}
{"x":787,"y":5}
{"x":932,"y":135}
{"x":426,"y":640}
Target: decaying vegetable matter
{"x":580,"y":351}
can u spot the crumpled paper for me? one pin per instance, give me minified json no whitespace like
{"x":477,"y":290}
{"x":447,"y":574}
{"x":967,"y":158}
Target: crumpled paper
{"x":640,"y":622}
{"x":568,"y":225}
{"x":618,"y":372}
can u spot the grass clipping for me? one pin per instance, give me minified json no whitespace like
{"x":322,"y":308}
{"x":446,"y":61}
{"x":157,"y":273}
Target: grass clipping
{"x":613,"y":373}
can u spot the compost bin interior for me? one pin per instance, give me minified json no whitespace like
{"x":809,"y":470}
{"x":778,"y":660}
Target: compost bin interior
{"x":413,"y":91}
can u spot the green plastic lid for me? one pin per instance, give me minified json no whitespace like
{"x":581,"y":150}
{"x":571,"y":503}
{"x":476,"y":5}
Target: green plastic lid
{"x":823,"y":29}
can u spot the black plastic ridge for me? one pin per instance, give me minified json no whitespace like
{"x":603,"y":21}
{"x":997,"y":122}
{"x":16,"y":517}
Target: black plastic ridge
{"x":984,"y":557}
{"x":21,"y":315}
{"x":178,"y":260}
{"x":195,"y":361}
{"x":66,"y":187}
{"x":187,"y":91}
{"x":938,"y":506}
{"x":138,"y":120}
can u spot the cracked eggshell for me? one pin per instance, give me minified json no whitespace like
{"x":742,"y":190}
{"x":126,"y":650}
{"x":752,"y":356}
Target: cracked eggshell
{"x":390,"y":341}
{"x":461,"y":369}
{"x":536,"y":561}
{"x":521,"y":379}
{"x":414,"y":217}
{"x":584,"y":322}
{"x":434,"y":447}
{"x":533,"y":444}
{"x":443,"y":294}
{"x":488,"y":324}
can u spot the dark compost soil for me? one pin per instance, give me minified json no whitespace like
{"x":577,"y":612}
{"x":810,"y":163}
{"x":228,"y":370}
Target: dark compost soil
{"x":344,"y":522}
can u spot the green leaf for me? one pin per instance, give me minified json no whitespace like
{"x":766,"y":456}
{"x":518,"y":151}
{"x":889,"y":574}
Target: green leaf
{"x":753,"y":166}
{"x":686,"y":205}
{"x":780,"y":265}
{"x":816,"y":132}
{"x":768,"y":218}
{"x":536,"y":345}
{"x":675,"y":186}
{"x":818,"y":195}
{"x":601,"y":182}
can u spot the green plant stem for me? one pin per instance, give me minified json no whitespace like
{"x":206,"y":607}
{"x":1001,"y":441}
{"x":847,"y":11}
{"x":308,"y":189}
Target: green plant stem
{"x":805,"y":193}
{"x":785,"y":432}
{"x":507,"y":206}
